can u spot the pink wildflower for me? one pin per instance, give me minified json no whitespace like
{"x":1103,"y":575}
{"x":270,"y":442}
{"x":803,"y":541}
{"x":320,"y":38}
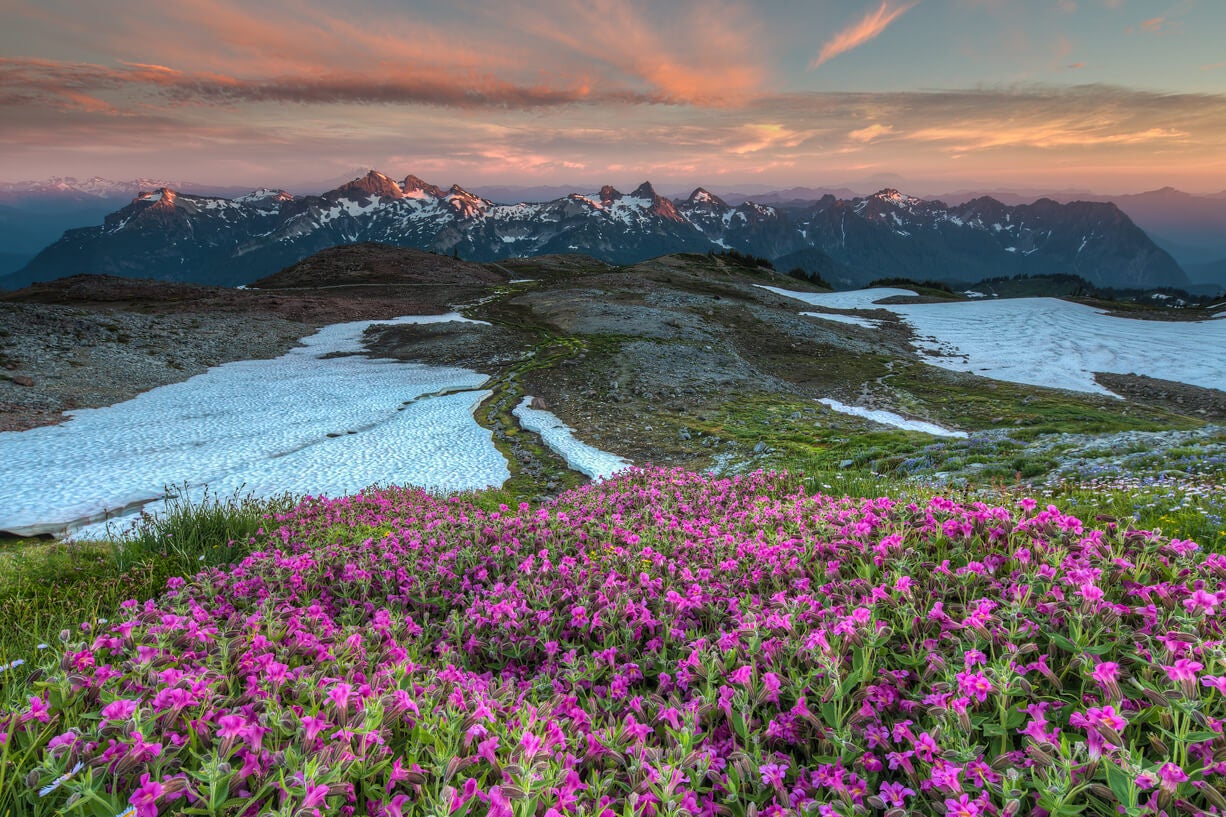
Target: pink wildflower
{"x":964,"y":806}
{"x":1170,"y":776}
{"x":145,"y":798}
{"x":119,"y":710}
{"x":1184,"y":669}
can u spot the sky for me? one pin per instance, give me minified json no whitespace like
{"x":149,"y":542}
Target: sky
{"x":1111,"y":96}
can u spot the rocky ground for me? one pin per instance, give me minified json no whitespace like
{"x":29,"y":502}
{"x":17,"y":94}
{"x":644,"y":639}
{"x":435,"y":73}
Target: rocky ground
{"x":95,"y":340}
{"x":681,"y":360}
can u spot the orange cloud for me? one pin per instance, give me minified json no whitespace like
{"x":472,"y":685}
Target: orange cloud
{"x":861,"y":32}
{"x":1153,"y":25}
{"x":873,"y":131}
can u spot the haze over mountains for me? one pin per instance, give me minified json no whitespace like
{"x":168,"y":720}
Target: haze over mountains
{"x":848,"y":240}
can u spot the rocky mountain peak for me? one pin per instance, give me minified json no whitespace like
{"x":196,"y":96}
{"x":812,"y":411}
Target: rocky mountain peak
{"x":413,"y":185}
{"x":705,"y":197}
{"x":609,"y":193}
{"x":373,"y":183}
{"x":163,"y":197}
{"x":645,"y":191}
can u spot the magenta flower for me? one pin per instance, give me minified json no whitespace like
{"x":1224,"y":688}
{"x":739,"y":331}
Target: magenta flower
{"x":340,"y":694}
{"x":772,"y":773}
{"x":975,"y":685}
{"x":964,"y":806}
{"x":1170,"y":776}
{"x":1107,"y":672}
{"x":119,"y":710}
{"x":1200,"y":601}
{"x":38,"y":710}
{"x":315,"y":795}
{"x":895,"y":794}
{"x":1184,"y":669}
{"x":145,"y":798}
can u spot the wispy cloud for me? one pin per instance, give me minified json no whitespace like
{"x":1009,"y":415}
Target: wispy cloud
{"x":86,"y":85}
{"x":857,"y":34}
{"x":868,"y":134}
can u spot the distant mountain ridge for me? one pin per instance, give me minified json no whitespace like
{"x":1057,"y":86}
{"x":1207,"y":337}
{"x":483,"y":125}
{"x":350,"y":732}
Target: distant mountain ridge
{"x":172,"y":235}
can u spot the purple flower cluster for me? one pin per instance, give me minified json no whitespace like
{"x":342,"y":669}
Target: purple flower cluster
{"x":662,"y":643}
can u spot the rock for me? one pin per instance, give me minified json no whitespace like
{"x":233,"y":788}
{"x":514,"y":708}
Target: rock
{"x":847,"y":463}
{"x":22,"y":380}
{"x":759,"y":448}
{"x":683,"y":434}
{"x":538,"y":403}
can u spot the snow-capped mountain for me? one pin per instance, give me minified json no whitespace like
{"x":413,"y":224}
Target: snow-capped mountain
{"x":167,"y":234}
{"x":96,"y":187}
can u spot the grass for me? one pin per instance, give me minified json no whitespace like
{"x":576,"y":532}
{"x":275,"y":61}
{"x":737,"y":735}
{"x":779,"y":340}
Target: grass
{"x":47,"y":587}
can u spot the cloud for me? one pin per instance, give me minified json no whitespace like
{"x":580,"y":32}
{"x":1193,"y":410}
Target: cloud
{"x":873,"y":131}
{"x":1154,"y":25}
{"x":861,"y":32}
{"x":1075,"y":65}
{"x":85,"y":85}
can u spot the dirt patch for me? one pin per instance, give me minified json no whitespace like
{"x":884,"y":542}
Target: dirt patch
{"x":1209,"y":404}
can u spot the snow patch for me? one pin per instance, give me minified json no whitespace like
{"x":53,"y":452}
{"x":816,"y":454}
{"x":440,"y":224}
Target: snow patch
{"x":889,"y":418}
{"x":854,"y":320}
{"x":560,"y":438}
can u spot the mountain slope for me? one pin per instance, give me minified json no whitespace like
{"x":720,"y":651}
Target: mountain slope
{"x":173,"y":236}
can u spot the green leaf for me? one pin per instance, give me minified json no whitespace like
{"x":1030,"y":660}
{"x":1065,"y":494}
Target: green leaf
{"x":1063,"y":643}
{"x":1118,"y":780}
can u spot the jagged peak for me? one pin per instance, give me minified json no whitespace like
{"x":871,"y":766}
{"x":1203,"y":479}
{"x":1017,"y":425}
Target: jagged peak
{"x":891,"y":196}
{"x":609,"y":193}
{"x":266,"y":193}
{"x":413,"y":184}
{"x":644,"y":191}
{"x":161,"y":194}
{"x":703,"y":196}
{"x":373,"y":183}
{"x":456,"y":190}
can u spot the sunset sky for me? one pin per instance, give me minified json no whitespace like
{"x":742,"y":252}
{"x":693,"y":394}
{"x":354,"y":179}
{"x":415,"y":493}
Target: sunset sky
{"x":1110,"y":95}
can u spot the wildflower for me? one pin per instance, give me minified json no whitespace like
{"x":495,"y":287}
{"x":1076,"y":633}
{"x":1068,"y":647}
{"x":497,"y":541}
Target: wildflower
{"x":975,"y":685}
{"x":119,"y":710}
{"x":962,"y":807}
{"x":1200,"y":601}
{"x":1170,"y":776}
{"x":1218,"y":682}
{"x":38,"y":710}
{"x":145,"y":798}
{"x":1184,"y":669}
{"x":895,"y":794}
{"x":772,"y":774}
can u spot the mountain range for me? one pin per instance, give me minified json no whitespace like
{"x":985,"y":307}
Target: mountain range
{"x":169,"y":235}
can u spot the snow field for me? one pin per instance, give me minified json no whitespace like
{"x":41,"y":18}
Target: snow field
{"x":1047,"y":341}
{"x":302,"y":423}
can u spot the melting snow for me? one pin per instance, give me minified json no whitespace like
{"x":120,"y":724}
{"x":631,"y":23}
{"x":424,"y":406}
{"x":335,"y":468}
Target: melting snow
{"x":854,"y":320}
{"x":579,"y":455}
{"x":889,"y":418}
{"x":1049,"y":342}
{"x":259,"y":426}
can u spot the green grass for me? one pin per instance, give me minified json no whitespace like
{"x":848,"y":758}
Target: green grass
{"x":971,"y":403}
{"x":46,"y":587}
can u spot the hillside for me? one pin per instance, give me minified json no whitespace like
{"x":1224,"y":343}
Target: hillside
{"x":681,"y":360}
